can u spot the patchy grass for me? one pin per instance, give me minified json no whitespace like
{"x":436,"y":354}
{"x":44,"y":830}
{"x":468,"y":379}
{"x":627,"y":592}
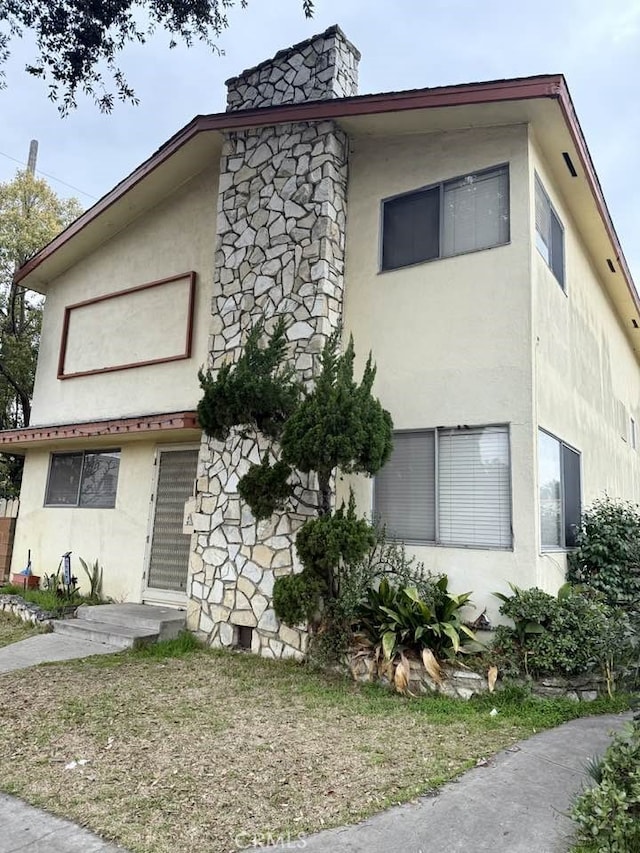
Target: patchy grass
{"x":207,"y":750}
{"x":45,"y":599}
{"x":13,"y":629}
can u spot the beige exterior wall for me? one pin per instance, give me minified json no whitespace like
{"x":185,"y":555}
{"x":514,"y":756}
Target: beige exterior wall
{"x":451,"y":337}
{"x":116,"y":537}
{"x":175,"y":237}
{"x":584,"y":369}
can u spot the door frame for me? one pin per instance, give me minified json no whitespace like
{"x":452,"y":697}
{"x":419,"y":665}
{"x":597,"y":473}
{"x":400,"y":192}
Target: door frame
{"x":148,"y":594}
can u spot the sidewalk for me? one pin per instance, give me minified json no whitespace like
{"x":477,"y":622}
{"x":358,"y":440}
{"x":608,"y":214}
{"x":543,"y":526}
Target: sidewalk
{"x":30,"y":830}
{"x":517,"y":803}
{"x":45,"y":648}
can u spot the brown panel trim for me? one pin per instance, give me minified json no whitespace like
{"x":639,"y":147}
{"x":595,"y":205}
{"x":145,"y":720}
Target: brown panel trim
{"x":91,"y":429}
{"x":191,"y":276}
{"x":545,"y":86}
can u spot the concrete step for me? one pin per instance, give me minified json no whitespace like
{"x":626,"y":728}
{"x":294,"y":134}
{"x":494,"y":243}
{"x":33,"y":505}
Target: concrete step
{"x":166,"y":622}
{"x":122,"y":636}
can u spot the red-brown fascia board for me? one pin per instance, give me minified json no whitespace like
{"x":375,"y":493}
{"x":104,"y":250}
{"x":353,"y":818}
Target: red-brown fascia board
{"x":93,"y":429}
{"x":547,"y":86}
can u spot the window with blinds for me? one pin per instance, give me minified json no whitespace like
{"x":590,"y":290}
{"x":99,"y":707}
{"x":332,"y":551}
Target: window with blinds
{"x":549,"y":234}
{"x":474,"y":487}
{"x":462,"y":215}
{"x":449,"y":487}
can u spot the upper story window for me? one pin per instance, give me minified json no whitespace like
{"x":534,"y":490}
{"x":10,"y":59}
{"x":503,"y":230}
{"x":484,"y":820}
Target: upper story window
{"x":549,"y":234}
{"x":448,"y":487}
{"x":85,"y":479}
{"x":462,"y":215}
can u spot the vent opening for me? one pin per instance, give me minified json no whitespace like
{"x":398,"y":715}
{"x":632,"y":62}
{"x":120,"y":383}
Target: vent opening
{"x":610,"y":265}
{"x":569,"y":164}
{"x":244,"y":637}
{"x":634,"y":323}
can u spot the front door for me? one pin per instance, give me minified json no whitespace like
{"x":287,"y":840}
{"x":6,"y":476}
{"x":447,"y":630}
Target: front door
{"x":168,"y":560}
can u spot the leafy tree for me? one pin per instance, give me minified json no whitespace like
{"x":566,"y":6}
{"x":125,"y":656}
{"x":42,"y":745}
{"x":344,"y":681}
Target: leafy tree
{"x":336,"y":425}
{"x":31,"y":215}
{"x":74,"y":38}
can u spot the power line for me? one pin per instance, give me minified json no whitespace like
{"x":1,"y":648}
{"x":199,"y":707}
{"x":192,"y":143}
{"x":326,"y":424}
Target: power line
{"x":51,"y":177}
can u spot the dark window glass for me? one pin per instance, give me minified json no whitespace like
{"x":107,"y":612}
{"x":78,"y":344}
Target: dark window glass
{"x":557,"y":249}
{"x":411,"y":229}
{"x":83,"y":479}
{"x":64,"y":479}
{"x":571,"y":491}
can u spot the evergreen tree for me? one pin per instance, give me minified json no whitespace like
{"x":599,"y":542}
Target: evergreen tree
{"x":337,"y":425}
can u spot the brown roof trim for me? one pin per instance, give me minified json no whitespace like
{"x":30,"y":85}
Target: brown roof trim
{"x":92,"y":429}
{"x":571,"y":119}
{"x":546,"y":86}
{"x":494,"y":91}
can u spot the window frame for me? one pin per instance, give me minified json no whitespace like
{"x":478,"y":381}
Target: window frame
{"x":563,"y":548}
{"x":539,"y":185}
{"x":84,"y":454}
{"x":436,"y":543}
{"x":439,"y":185}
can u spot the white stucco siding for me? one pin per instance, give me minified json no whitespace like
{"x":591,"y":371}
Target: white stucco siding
{"x":585,"y":371}
{"x":175,"y":237}
{"x":451,"y":337}
{"x":116,"y":536}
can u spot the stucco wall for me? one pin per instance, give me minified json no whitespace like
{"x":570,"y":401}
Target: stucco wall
{"x":177,"y":236}
{"x":451,"y":337}
{"x":584,"y":366}
{"x":117,"y":537}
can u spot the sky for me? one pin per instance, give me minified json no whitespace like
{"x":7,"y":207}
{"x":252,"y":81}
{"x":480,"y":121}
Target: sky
{"x":405,"y":44}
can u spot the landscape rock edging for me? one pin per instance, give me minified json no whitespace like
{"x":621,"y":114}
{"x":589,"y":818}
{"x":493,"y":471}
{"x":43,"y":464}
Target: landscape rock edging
{"x":26,"y":610}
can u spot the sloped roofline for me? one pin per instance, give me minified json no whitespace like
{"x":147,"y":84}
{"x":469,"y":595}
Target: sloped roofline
{"x":551,"y":86}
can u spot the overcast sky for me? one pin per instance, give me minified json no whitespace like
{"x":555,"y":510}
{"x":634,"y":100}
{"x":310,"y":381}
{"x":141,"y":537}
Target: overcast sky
{"x":404,"y":44}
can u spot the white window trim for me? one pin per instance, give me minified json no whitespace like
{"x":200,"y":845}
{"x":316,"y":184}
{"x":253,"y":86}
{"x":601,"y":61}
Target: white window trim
{"x":441,"y":185}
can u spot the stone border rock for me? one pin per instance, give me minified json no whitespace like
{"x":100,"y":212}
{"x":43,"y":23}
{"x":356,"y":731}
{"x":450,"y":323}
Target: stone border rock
{"x":463,"y":683}
{"x":26,"y":610}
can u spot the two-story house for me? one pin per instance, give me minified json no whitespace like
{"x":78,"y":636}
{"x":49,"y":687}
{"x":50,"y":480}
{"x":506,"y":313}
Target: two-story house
{"x":460,"y":233}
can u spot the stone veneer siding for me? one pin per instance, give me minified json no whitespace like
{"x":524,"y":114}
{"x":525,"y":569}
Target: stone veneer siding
{"x":324,"y":66}
{"x":280,"y":251}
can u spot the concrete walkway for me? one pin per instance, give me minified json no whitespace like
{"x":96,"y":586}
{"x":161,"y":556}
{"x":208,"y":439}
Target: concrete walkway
{"x":46,"y":648}
{"x":30,"y":830}
{"x":517,"y":803}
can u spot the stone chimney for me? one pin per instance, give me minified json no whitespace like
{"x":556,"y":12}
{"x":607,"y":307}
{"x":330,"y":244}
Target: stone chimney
{"x":280,"y":251}
{"x":322,"y":67}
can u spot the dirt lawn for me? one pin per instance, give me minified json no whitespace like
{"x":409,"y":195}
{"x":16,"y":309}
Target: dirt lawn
{"x":207,"y":752}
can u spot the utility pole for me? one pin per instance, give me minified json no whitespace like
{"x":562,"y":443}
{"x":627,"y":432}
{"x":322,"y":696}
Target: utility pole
{"x":33,"y":156}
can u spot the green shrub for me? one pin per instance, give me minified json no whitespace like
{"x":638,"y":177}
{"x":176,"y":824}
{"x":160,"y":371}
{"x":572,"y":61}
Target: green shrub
{"x":564,"y":635}
{"x":384,"y":558}
{"x":608,"y":554}
{"x":397,"y":618}
{"x":296,"y":598}
{"x":608,"y":814}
